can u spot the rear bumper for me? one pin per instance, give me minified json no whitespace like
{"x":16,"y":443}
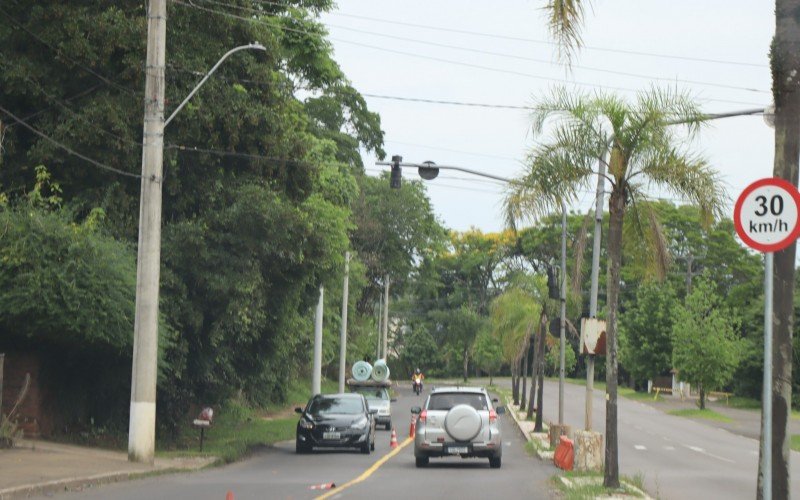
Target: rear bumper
{"x":423,"y":448}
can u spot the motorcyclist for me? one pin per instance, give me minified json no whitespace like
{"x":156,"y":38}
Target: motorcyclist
{"x":416,"y":379}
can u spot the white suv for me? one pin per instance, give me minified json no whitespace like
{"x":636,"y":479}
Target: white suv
{"x":458,"y":421}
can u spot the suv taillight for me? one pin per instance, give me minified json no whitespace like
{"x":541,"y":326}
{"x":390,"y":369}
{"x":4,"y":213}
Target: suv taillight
{"x":423,"y":415}
{"x":492,"y":416}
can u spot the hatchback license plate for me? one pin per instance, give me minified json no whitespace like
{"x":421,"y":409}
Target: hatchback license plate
{"x":331,"y":435}
{"x":457,"y":450}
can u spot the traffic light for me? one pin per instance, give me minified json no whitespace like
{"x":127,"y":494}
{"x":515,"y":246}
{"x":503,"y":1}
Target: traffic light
{"x":397,"y":173}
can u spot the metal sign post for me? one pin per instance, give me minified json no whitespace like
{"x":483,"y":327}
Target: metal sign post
{"x":766,"y":216}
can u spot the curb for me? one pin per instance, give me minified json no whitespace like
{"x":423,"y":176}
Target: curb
{"x":541,"y":454}
{"x":81,"y":483}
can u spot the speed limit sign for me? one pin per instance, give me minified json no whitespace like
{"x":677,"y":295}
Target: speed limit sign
{"x":766,"y":215}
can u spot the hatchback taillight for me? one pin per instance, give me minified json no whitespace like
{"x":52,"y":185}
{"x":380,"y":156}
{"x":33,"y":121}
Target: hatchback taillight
{"x":423,"y":415}
{"x":492,"y":416}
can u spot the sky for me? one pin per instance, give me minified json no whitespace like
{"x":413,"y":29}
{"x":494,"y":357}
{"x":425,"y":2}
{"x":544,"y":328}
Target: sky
{"x":500,"y":53}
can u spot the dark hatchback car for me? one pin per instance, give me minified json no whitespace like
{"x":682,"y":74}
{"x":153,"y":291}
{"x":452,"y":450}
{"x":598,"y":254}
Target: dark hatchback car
{"x":336,"y":421}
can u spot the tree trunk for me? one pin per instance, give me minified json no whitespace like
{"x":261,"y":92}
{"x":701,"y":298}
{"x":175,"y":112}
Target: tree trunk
{"x":532,"y":396}
{"x":616,"y":208}
{"x":702,"y":398}
{"x":785,"y":64}
{"x":466,"y":364}
{"x":540,"y":369}
{"x":524,"y":394}
{"x":514,"y":383}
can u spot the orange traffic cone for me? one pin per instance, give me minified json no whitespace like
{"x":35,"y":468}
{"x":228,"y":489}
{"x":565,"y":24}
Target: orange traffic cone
{"x":412,"y":430}
{"x":323,"y":486}
{"x":229,"y":496}
{"x":393,"y":442}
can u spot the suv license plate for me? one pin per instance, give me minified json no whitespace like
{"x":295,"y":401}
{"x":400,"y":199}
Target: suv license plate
{"x":457,"y":450}
{"x":331,"y":435}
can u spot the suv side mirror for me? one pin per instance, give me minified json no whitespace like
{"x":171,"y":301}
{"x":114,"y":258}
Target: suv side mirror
{"x":393,"y":400}
{"x":416,"y":410}
{"x":495,"y":400}
{"x":373,"y":411}
{"x":500,"y":410}
{"x":298,"y":410}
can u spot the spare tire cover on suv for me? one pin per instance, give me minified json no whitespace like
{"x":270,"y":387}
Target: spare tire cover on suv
{"x":462,"y":422}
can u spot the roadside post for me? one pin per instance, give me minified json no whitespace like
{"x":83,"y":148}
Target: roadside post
{"x":766,"y":219}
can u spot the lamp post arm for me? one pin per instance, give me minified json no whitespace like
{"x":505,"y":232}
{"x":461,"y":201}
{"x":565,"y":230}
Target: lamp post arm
{"x":445,"y":167}
{"x":250,"y":46}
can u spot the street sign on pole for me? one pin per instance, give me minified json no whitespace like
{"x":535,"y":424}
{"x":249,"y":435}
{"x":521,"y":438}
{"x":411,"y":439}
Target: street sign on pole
{"x":766,"y":215}
{"x":766,"y":219}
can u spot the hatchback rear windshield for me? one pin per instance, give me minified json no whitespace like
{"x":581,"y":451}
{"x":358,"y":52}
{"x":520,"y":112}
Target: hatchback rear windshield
{"x":324,"y":406}
{"x":446,"y":400}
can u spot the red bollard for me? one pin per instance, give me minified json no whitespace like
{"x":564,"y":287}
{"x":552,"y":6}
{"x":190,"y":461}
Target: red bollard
{"x":412,"y":430}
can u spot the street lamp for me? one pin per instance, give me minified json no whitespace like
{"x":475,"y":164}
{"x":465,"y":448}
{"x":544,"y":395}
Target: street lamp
{"x":141,"y":429}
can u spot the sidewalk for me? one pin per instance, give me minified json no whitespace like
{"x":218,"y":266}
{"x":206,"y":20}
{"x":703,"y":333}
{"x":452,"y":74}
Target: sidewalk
{"x":39,"y":468}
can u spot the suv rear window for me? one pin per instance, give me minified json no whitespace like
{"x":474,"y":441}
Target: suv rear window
{"x":445,"y":400}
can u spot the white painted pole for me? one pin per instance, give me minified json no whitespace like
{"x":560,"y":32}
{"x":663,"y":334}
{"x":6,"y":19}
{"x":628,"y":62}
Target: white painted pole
{"x":343,"y":333}
{"x":766,"y":395}
{"x":316,"y":378}
{"x":598,"y":231}
{"x":142,"y":423}
{"x":386,"y":318}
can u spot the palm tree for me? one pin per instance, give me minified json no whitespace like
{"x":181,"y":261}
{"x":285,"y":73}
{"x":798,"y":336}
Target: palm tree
{"x":641,"y":149}
{"x":513,"y":316}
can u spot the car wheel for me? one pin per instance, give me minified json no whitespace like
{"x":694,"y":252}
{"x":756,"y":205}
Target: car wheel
{"x":301,"y":448}
{"x":495,"y":462}
{"x":365,"y":448}
{"x":389,"y":425}
{"x":372,"y":446}
{"x":422,"y":461}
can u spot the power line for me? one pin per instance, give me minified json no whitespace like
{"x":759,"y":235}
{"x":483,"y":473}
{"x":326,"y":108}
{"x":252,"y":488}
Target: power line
{"x":501,"y":54}
{"x":82,"y":118}
{"x":436,"y":59}
{"x":544,"y":42}
{"x":67,"y":148}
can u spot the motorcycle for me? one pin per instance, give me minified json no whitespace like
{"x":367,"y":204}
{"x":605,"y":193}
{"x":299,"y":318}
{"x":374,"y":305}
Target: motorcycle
{"x":417,"y":386}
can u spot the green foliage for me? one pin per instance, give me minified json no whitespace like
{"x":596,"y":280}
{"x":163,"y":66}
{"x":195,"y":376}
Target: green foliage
{"x":487,"y":353}
{"x":419,"y":350}
{"x":646,"y":332}
{"x":552,"y":359}
{"x":706,"y":348}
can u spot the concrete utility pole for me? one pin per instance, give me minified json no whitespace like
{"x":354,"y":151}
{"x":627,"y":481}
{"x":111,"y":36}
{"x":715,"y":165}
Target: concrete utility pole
{"x":142,"y":425}
{"x":380,"y":329}
{"x":563,"y":336}
{"x":386,"y":317}
{"x":598,"y":230}
{"x":343,"y":333}
{"x":316,"y":377}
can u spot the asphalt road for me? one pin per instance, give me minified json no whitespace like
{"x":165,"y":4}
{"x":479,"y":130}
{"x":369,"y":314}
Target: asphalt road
{"x":279,"y":473}
{"x":680,"y":458}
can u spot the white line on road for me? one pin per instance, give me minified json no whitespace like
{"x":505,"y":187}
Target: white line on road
{"x":640,"y":447}
{"x":704,"y":452}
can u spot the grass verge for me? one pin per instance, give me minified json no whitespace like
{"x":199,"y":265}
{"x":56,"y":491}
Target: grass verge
{"x":796,"y":442}
{"x":589,"y":485}
{"x":697,"y":413}
{"x":238,"y":428}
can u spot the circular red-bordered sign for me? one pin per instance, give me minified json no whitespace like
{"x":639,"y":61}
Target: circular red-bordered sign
{"x":766,"y":214}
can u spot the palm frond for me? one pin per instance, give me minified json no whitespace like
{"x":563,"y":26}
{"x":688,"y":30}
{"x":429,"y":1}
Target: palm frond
{"x":687,"y":176}
{"x":646,"y":237}
{"x":565,"y":23}
{"x":580,"y":250}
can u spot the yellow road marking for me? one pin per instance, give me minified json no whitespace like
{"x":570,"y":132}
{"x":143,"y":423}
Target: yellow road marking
{"x":367,"y":472}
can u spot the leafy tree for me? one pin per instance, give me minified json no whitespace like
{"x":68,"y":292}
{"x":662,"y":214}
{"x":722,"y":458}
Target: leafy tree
{"x":639,"y":143}
{"x":645,"y":332}
{"x":488,"y":354}
{"x":706,"y":349}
